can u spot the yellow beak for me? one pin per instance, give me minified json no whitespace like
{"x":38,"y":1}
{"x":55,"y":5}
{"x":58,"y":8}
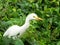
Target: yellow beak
{"x":37,"y":18}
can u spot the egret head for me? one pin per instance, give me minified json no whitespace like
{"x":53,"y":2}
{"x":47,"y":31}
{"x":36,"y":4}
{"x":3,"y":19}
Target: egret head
{"x":33,"y":16}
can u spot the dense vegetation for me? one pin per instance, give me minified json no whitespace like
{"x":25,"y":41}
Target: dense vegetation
{"x":46,"y":32}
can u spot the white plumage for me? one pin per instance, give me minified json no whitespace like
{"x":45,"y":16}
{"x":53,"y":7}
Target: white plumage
{"x":14,"y":30}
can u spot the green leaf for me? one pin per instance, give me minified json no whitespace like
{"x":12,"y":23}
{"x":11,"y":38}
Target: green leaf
{"x":18,"y":42}
{"x":58,"y":43}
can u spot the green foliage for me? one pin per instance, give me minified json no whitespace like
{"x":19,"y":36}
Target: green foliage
{"x":18,"y":42}
{"x":46,"y":32}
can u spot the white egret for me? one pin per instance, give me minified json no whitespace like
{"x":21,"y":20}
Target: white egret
{"x":14,"y":30}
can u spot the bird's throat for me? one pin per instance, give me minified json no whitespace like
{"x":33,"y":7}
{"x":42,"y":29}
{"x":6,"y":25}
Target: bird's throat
{"x":26,"y":24}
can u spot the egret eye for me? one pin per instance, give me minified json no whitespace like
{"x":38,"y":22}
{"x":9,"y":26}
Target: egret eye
{"x":34,"y":16}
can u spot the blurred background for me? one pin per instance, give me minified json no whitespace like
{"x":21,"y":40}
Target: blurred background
{"x":14,"y":12}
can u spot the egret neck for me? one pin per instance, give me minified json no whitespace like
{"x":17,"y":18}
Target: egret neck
{"x":26,"y":24}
